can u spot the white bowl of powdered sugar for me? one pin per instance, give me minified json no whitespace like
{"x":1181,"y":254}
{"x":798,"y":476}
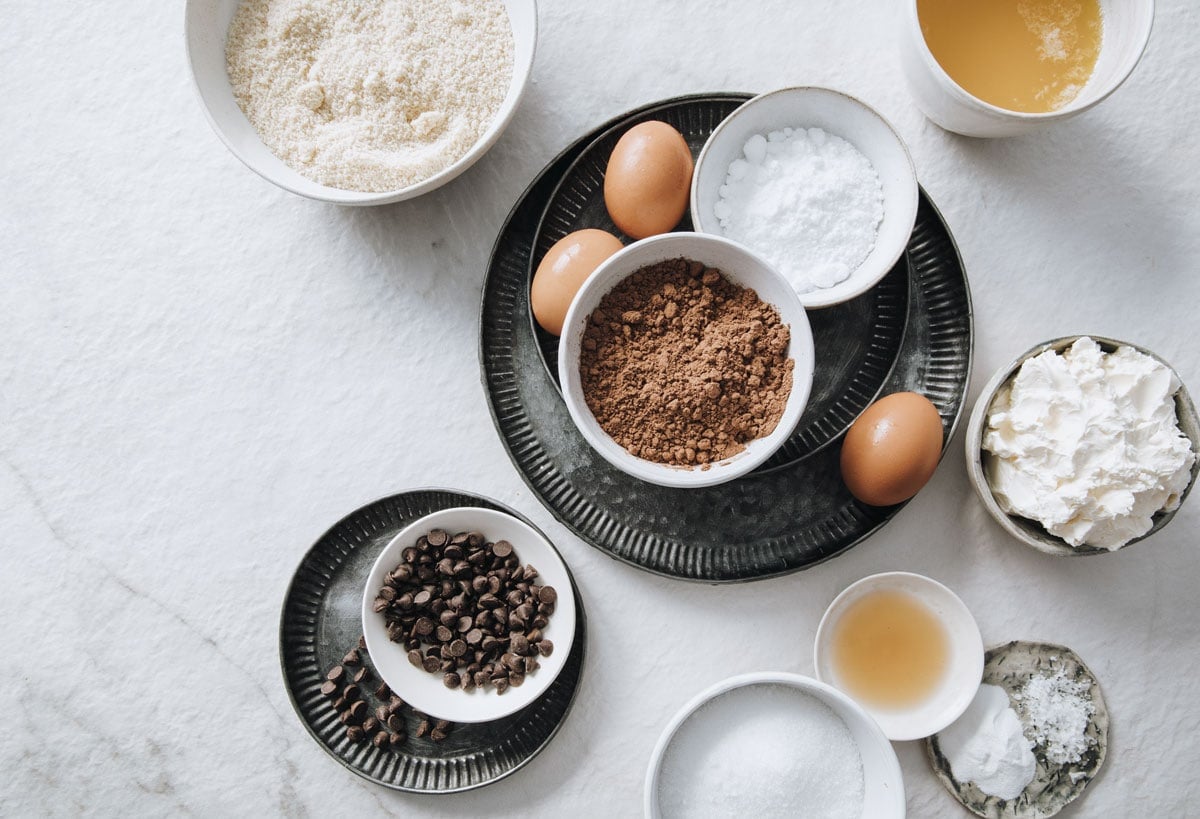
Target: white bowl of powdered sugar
{"x":773,"y":744}
{"x":816,"y":182}
{"x":360,"y":102}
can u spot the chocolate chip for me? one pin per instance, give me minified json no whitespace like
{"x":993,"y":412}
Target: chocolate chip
{"x":502,"y":548}
{"x":395,"y":723}
{"x":451,"y":680}
{"x":545,"y":647}
{"x":329,"y":688}
{"x":358,"y":710}
{"x":370,"y":725}
{"x":547,"y":594}
{"x":431,"y":664}
{"x":351,"y":693}
{"x":352,"y":658}
{"x":383,"y":691}
{"x":422,"y":729}
{"x":382,"y":713}
{"x":380,"y":605}
{"x":397,"y":740}
{"x":381,"y":739}
{"x":340,"y":704}
{"x":355,"y":734}
{"x":336,"y":674}
{"x":362,"y":675}
{"x":415,"y":657}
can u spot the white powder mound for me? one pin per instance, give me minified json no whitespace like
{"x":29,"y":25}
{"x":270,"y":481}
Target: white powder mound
{"x":762,"y":751}
{"x":370,"y":95}
{"x":805,"y":199}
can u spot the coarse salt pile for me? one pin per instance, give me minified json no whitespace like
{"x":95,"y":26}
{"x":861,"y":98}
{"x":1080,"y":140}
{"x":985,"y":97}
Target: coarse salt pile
{"x":1057,"y":711}
{"x":805,"y":199}
{"x":369,"y":95}
{"x":762,"y":750}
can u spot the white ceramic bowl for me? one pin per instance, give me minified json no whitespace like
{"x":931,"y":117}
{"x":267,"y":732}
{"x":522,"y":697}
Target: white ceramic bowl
{"x":840,"y":115}
{"x":1030,"y":532}
{"x":884,"y":793}
{"x":959,"y":683}
{"x":1127,"y":26}
{"x":425,"y":691}
{"x":205,"y":25}
{"x":741,"y":267}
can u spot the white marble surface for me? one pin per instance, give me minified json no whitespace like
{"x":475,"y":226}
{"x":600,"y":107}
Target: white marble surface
{"x":199,"y":373}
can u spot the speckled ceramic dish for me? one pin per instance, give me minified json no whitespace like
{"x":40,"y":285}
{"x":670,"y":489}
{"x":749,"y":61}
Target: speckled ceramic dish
{"x":1054,"y":785}
{"x":1030,"y":532}
{"x":781,"y":518}
{"x":322,"y":620}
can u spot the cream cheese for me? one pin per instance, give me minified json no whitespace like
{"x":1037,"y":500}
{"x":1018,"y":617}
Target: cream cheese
{"x":1088,"y":444}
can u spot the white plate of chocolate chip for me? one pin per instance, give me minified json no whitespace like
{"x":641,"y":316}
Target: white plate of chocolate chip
{"x":468,"y":614}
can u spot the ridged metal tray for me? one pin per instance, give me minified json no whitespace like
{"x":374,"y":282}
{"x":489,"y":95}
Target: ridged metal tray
{"x":784,"y":518}
{"x":321,"y":621}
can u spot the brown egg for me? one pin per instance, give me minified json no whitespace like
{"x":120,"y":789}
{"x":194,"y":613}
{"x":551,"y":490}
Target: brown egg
{"x":648,"y":178}
{"x":892,"y":449}
{"x":563,"y":270}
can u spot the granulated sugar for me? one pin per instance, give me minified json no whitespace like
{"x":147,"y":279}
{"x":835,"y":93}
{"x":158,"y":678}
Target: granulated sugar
{"x":370,"y":95}
{"x":807,"y":200}
{"x":761,"y":751}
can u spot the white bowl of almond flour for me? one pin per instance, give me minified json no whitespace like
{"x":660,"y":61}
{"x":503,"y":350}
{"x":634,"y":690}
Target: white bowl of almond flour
{"x":360,"y":102}
{"x":773,"y":744}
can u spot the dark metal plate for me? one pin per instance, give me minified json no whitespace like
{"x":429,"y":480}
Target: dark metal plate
{"x":766,"y":524}
{"x":321,"y":621}
{"x":856,"y":342}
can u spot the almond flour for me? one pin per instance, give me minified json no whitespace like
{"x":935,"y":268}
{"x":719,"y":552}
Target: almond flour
{"x":370,"y":95}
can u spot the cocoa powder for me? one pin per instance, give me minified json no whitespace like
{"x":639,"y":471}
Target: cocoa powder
{"x":683,"y":367}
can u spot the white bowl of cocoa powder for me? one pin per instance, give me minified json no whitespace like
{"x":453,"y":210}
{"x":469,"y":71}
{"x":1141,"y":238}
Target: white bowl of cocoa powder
{"x":686,"y":360}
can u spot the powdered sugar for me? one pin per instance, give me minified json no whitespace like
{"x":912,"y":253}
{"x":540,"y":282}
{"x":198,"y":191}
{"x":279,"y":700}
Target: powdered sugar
{"x":370,"y":95}
{"x":805,"y":199}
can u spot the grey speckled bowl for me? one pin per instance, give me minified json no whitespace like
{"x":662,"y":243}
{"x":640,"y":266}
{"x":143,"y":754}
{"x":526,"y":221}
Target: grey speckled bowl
{"x":1030,"y":532}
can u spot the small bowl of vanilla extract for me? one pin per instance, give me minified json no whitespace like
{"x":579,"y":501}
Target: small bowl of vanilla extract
{"x":905,"y":648}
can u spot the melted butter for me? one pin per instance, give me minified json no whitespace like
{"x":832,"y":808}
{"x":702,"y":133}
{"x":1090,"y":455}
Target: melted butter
{"x":1032,"y":56}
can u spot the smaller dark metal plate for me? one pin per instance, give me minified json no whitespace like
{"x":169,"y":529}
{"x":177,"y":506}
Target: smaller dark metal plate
{"x":322,"y":620}
{"x":856,"y":342}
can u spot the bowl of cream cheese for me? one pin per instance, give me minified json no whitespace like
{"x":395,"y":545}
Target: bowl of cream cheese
{"x":1083,"y":445}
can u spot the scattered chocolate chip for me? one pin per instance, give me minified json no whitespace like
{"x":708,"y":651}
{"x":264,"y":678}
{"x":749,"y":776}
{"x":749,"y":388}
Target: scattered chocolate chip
{"x":329,"y":688}
{"x":383,"y":692}
{"x":355,"y":734}
{"x":336,"y":674}
{"x":380,"y":740}
{"x":422,"y":729}
{"x":395,"y":723}
{"x":352,"y":658}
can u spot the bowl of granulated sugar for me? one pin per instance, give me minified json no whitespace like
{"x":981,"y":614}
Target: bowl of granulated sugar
{"x":360,"y":102}
{"x":816,"y":182}
{"x":773,"y":744}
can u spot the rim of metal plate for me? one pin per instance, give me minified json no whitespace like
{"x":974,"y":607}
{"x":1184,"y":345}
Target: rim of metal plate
{"x":942,"y":374}
{"x":577,"y":202}
{"x":526,"y":733}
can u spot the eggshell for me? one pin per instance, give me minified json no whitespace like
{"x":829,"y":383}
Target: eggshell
{"x":892,"y":449}
{"x":563,"y":270}
{"x":648,"y":178}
